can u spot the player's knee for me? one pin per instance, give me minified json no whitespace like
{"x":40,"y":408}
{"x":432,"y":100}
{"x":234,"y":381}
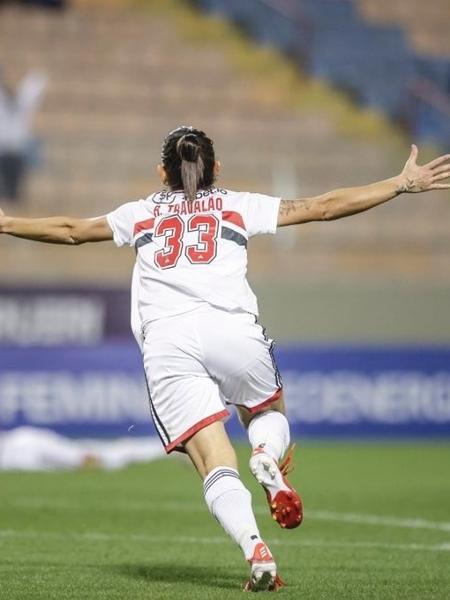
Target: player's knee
{"x":277,"y":406}
{"x":245,"y":416}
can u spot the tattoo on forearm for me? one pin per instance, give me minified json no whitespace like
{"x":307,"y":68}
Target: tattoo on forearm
{"x":287,"y":207}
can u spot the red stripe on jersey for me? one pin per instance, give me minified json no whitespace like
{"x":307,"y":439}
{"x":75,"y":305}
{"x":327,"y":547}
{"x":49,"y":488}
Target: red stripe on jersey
{"x":143,"y":225}
{"x":233,"y":217}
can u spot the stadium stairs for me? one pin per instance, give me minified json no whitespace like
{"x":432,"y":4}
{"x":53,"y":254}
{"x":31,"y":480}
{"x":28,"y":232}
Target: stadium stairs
{"x":426,"y":26}
{"x":382,"y":64}
{"x":426,"y":23}
{"x":121,"y":77}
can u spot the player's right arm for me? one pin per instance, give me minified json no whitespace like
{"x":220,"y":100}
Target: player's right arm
{"x":344,"y":202}
{"x":57,"y":230}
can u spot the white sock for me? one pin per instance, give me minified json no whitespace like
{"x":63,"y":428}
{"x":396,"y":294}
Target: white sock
{"x":230,"y":503}
{"x":270,"y":430}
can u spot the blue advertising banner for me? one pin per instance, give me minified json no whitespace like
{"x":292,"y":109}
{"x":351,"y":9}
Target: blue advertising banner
{"x":53,"y":316}
{"x":330,"y":391}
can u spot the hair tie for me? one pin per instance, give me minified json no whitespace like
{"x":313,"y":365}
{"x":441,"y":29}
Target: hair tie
{"x":188,"y":147}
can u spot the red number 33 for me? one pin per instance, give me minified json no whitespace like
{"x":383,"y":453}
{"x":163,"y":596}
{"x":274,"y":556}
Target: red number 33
{"x":172,"y":228}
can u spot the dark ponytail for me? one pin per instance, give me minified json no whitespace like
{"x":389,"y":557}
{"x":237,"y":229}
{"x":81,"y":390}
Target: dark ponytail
{"x":192,"y":166}
{"x":188,"y":158}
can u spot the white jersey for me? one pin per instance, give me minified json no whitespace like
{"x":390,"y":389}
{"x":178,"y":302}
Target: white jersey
{"x":191,"y":253}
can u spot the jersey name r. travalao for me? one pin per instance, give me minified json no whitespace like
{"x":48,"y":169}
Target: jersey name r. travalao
{"x":189,"y":253}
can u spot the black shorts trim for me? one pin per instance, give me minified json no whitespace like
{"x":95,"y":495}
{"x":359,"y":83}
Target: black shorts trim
{"x":160,"y":429}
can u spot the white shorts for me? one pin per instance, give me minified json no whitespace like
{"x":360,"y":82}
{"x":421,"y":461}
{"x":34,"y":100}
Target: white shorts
{"x":198,"y":362}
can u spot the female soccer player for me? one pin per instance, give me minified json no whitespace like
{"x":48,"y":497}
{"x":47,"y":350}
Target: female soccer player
{"x":201,"y":343}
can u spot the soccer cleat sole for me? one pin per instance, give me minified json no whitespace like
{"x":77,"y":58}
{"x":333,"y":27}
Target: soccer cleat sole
{"x":268,"y":582}
{"x":286,"y":508}
{"x":265,"y":583}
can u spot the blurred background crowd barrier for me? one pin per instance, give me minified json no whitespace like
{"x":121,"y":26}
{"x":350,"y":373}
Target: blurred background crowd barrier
{"x":300,"y":96}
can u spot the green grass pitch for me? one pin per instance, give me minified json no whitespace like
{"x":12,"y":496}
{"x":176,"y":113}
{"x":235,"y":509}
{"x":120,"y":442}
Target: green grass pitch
{"x":377,"y":525}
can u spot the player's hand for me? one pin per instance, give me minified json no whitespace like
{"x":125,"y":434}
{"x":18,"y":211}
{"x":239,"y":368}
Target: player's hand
{"x":416,"y":178}
{"x":2,"y":218}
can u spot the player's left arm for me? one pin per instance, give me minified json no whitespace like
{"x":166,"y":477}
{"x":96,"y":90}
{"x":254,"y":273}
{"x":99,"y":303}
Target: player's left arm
{"x":344,"y":202}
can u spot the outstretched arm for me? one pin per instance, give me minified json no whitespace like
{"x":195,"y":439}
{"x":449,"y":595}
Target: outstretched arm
{"x":57,"y":230}
{"x":349,"y":201}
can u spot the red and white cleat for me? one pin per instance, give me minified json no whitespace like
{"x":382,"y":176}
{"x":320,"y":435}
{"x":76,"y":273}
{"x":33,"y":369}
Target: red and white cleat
{"x":285,"y":503}
{"x":263,"y":575}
